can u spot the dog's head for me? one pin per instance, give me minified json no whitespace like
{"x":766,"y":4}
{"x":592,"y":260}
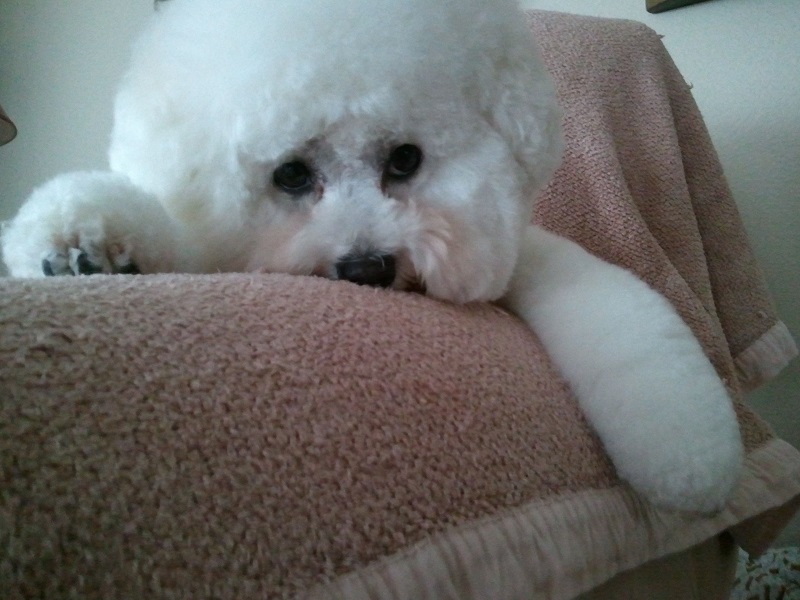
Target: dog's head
{"x":391,"y":143}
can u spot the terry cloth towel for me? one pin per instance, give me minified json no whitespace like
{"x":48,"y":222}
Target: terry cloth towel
{"x":269,"y":436}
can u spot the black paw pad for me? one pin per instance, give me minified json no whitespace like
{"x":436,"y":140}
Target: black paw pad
{"x":77,"y":261}
{"x":83,"y":265}
{"x":129,"y":269}
{"x":56,"y":264}
{"x":47,"y":268}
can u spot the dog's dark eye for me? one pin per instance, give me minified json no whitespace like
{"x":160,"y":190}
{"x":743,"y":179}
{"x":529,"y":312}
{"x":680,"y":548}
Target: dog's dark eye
{"x":403,"y":162}
{"x":293,"y":177}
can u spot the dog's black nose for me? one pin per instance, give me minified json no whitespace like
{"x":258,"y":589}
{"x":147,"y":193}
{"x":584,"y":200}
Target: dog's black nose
{"x":367,"y":269}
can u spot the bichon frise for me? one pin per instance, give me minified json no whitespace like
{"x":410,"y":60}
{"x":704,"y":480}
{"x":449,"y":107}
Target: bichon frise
{"x":393,"y":144}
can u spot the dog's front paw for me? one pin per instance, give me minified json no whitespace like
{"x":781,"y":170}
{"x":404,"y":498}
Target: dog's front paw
{"x":89,"y":258}
{"x":88,"y":223}
{"x":680,"y":447}
{"x":699,"y":483}
{"x":640,"y":375}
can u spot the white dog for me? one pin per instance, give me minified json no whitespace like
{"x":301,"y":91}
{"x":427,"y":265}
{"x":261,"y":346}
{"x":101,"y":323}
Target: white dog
{"x":390,"y":143}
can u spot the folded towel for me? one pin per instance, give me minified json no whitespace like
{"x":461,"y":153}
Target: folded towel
{"x":641,"y":185}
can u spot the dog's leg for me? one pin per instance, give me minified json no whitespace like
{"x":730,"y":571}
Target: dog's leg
{"x":639,"y":374}
{"x":86,"y":223}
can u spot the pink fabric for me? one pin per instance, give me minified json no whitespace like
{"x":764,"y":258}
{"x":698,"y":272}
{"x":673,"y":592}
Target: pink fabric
{"x":641,"y":185}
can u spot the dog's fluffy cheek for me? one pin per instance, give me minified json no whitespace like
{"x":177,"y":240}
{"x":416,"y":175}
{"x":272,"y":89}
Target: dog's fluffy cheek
{"x":462,"y":263}
{"x":274,"y":248}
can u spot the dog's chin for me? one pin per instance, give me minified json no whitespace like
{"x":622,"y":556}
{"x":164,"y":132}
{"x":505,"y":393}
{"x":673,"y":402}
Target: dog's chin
{"x":406,"y":279}
{"x":448,"y":288}
{"x":453,"y":277}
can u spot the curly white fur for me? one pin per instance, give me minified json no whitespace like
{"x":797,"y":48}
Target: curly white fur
{"x":220,"y":94}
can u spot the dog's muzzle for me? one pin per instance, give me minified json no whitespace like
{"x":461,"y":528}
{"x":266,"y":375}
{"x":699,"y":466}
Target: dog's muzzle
{"x":373,"y":269}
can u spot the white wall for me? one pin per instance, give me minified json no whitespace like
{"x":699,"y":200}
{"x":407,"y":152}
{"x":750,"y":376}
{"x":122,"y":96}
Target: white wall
{"x":59,"y":65}
{"x":60,"y":61}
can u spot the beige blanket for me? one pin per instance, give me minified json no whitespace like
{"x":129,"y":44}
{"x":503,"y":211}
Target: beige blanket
{"x":272,"y":436}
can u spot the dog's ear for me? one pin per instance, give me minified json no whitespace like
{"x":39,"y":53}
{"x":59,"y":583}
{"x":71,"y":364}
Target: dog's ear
{"x":522,"y":106}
